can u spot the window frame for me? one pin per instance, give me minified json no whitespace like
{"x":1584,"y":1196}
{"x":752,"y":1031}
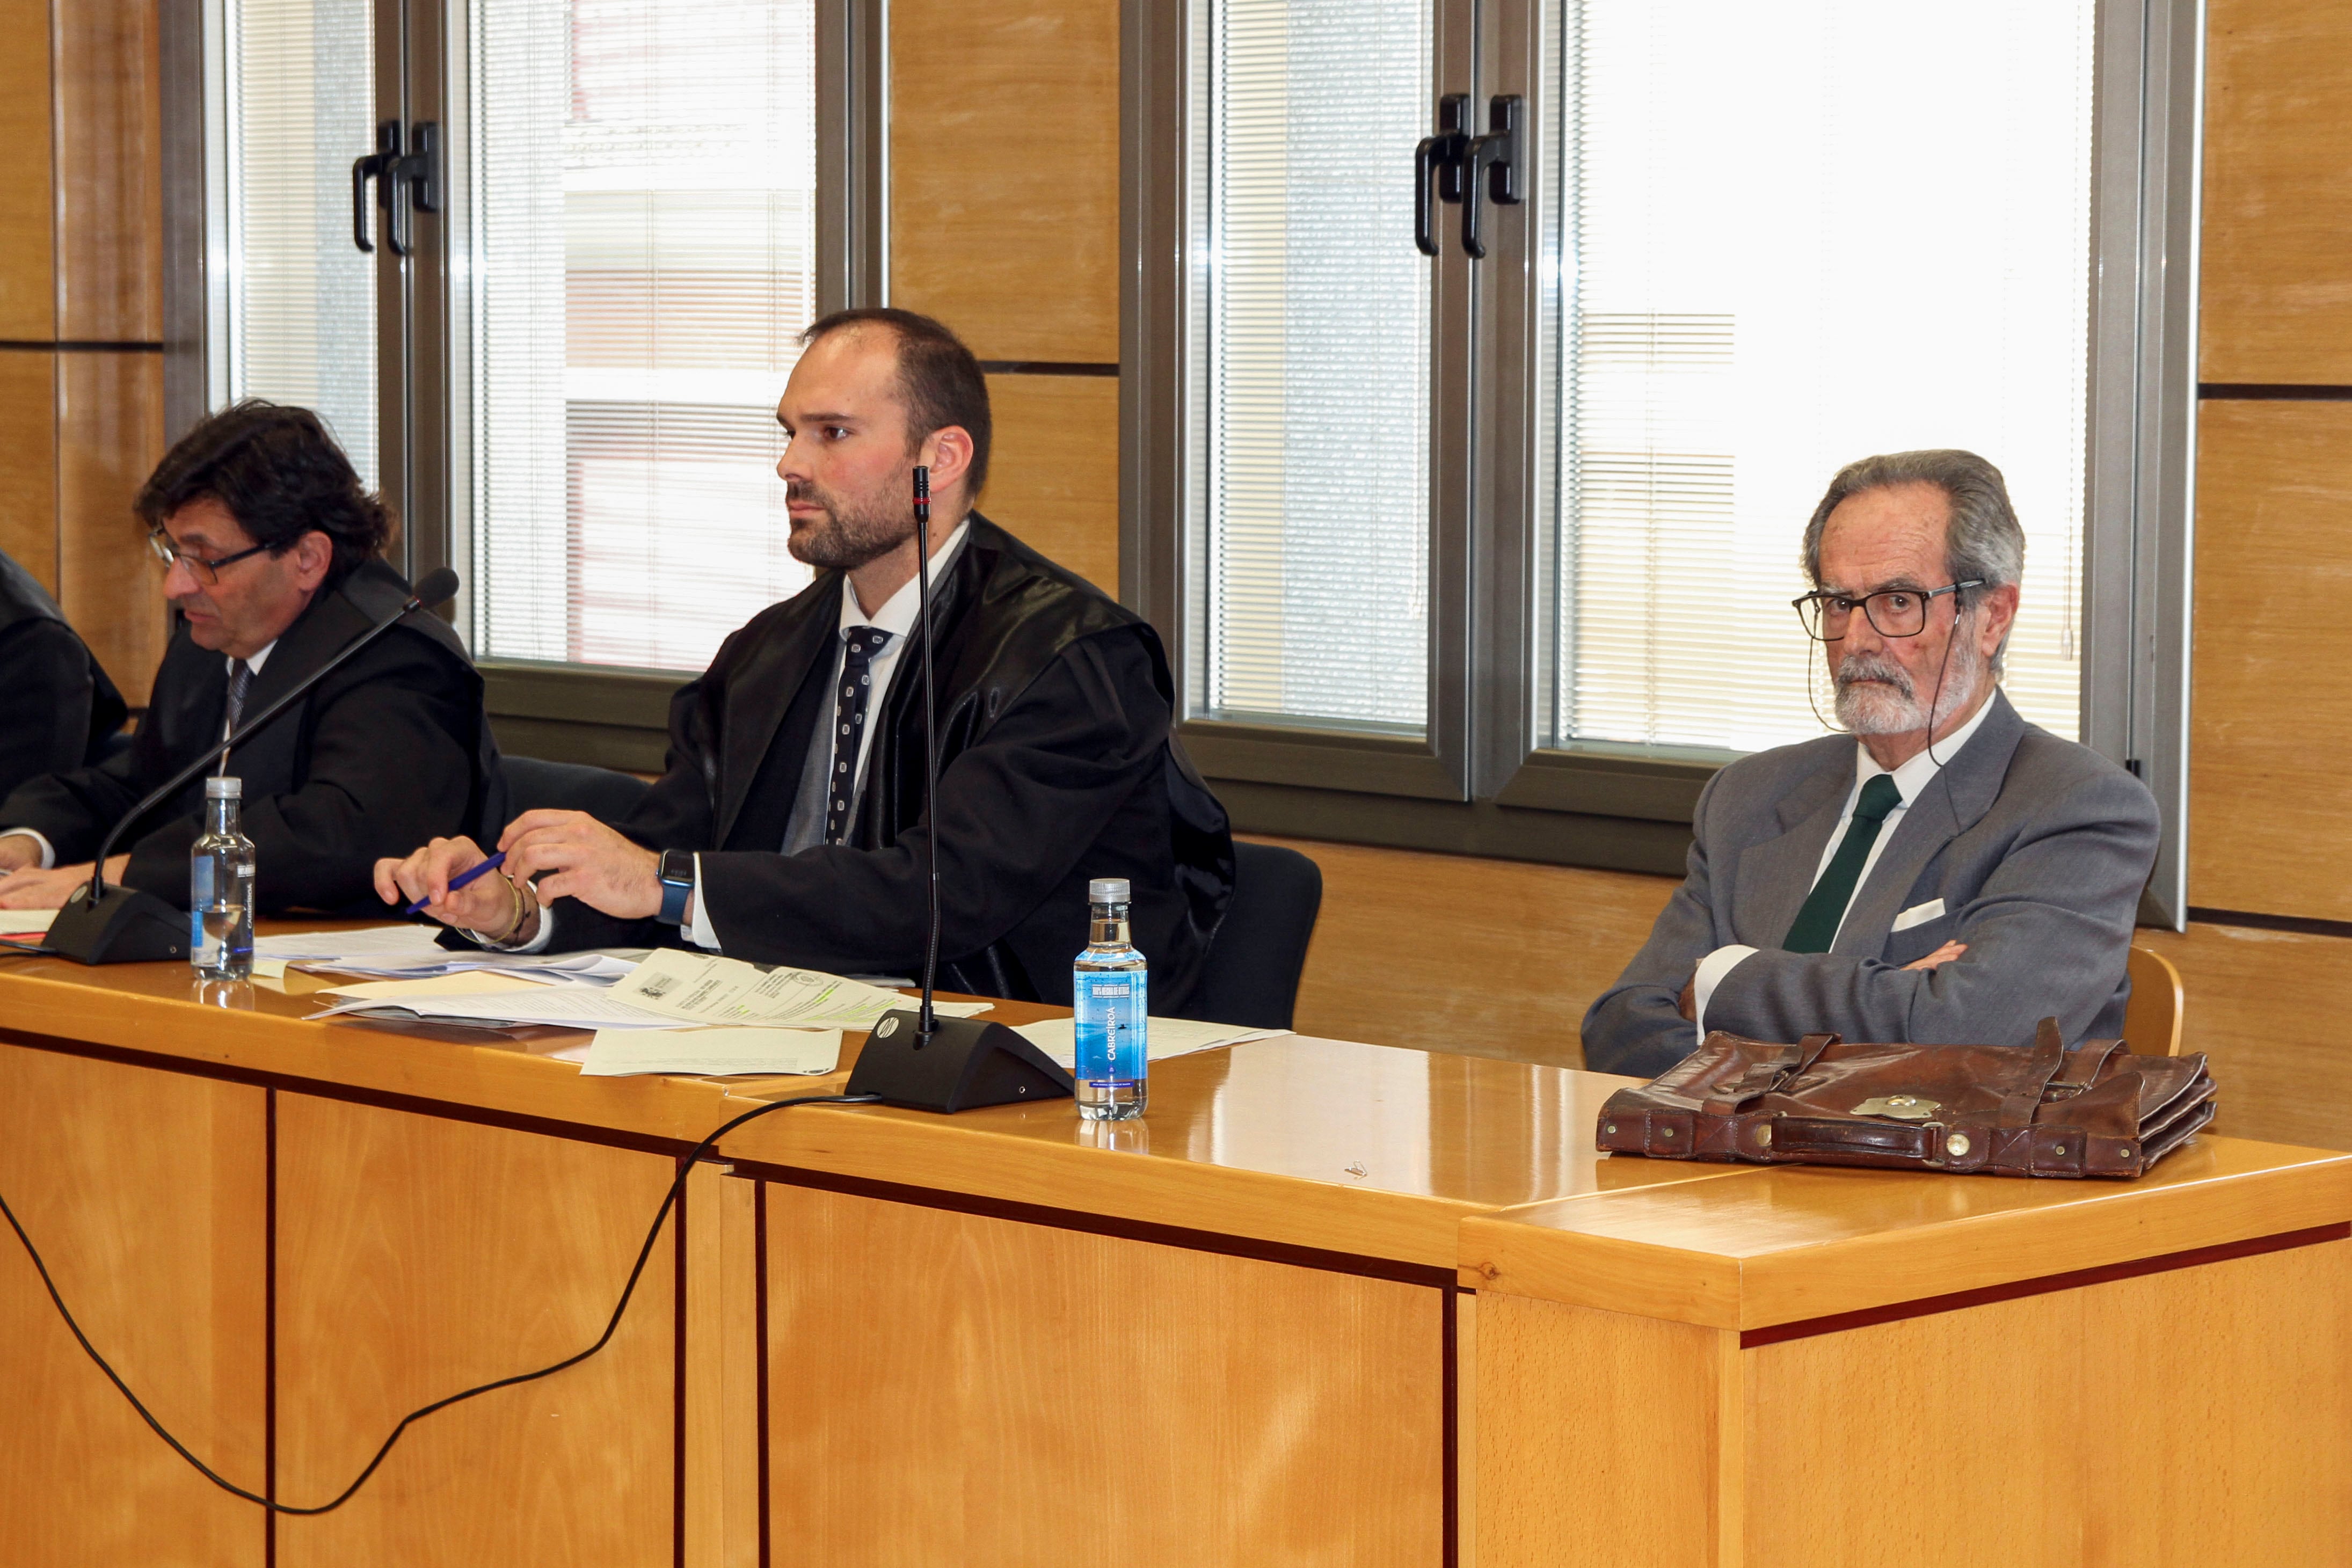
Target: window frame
{"x":609,"y":716}
{"x":1605,"y":804}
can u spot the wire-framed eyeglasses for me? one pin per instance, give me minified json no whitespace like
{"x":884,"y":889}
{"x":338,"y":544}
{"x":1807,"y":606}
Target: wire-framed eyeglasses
{"x":1892,"y":612}
{"x":204,"y":572}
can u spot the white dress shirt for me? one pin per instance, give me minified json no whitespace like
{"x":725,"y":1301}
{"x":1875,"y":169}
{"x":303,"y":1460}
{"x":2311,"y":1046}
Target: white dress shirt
{"x":897,"y":617}
{"x":228,"y":668}
{"x":1909,"y":780}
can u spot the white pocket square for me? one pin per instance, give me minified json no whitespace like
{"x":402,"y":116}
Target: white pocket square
{"x":1919,"y":914}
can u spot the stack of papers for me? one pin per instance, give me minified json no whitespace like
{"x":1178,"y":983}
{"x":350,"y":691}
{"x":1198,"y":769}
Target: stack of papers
{"x":409,"y":952}
{"x":667,"y":989}
{"x":1058,"y":1037}
{"x":22,"y":923}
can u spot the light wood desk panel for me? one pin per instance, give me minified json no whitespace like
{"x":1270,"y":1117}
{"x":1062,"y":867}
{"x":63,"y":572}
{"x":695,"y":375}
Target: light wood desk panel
{"x":2136,"y":1422}
{"x":420,"y":1255}
{"x":145,"y":1192}
{"x":953,"y":1387}
{"x":1250,"y":1284}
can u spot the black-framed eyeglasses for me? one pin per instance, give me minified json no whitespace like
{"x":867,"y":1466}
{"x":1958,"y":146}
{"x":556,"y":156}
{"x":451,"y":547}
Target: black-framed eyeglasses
{"x":1892,"y":612}
{"x":203,"y":570}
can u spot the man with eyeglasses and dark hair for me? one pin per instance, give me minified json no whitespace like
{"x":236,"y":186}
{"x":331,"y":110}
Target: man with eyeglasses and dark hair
{"x":273,"y":555}
{"x":1948,"y":874}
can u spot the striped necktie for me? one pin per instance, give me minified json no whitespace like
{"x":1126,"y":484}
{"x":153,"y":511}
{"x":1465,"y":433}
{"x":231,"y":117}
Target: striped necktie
{"x":1816,"y":926}
{"x":240,"y":680}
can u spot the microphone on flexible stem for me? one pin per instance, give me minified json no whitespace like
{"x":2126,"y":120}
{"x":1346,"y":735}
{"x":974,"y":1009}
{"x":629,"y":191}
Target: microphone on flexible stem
{"x":911,"y":1058}
{"x":928,"y":1026}
{"x":105,"y":923}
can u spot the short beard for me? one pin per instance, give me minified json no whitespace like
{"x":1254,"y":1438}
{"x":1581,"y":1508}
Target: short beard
{"x":847,"y":537}
{"x":1866,"y":707}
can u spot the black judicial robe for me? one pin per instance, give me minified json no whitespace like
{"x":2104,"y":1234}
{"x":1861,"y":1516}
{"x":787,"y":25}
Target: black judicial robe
{"x":57,"y":709}
{"x":1057,"y":764}
{"x":387,"y":752}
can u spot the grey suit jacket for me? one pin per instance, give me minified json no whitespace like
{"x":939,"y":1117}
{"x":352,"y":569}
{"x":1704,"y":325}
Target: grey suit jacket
{"x":2038,"y":847}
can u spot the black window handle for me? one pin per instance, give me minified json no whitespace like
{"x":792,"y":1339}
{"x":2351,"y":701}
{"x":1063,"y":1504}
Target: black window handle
{"x":410,"y":181}
{"x":405,"y":182}
{"x":1438,"y":159}
{"x":1496,"y":156}
{"x":370,"y":167}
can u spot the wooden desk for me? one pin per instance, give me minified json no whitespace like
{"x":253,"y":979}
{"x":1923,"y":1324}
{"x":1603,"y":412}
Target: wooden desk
{"x":1327,"y":1302}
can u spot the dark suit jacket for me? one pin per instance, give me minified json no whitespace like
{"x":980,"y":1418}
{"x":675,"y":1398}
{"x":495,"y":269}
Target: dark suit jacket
{"x":57,"y":709}
{"x":387,"y":752}
{"x":1057,"y":764}
{"x":2037,"y":849}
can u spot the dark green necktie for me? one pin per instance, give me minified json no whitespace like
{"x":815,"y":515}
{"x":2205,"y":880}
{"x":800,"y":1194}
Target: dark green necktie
{"x":1816,"y":926}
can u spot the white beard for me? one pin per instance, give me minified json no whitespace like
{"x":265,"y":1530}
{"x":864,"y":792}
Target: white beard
{"x":1866,"y":706}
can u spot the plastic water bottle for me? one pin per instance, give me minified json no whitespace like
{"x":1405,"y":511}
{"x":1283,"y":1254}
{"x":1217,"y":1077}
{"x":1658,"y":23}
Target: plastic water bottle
{"x":220,"y":888}
{"x":1111,"y":987}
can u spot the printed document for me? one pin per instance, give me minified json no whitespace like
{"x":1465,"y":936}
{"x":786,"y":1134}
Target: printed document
{"x":1058,"y":1037}
{"x":711,"y":1052}
{"x":702,"y":988}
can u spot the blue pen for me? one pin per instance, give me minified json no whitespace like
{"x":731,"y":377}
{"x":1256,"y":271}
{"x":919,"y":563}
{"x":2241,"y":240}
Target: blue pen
{"x":465,"y":878}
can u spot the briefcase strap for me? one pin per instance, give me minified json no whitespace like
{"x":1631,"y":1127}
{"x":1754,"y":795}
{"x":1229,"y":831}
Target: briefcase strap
{"x":2049,"y":1059}
{"x":1768,"y":1075}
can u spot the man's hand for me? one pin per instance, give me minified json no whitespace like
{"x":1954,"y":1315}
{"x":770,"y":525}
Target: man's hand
{"x":573,"y":855}
{"x":33,"y":888}
{"x":486,"y":904}
{"x":1687,"y":1003}
{"x":18,"y":851}
{"x":1943,"y":954}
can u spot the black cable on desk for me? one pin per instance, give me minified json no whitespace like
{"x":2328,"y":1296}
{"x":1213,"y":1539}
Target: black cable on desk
{"x":620,"y":1307}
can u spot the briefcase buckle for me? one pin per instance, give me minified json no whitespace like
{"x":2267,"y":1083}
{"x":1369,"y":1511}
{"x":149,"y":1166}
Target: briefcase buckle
{"x":1899,"y":1107}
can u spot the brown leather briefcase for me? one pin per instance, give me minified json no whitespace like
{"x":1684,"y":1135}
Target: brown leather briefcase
{"x":2095,"y":1111}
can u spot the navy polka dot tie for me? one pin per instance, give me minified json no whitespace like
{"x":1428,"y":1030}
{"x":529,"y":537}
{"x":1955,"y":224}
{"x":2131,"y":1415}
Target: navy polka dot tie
{"x":849,"y":724}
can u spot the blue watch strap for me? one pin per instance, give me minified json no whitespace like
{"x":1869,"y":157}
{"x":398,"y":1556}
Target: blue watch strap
{"x":677,"y":890}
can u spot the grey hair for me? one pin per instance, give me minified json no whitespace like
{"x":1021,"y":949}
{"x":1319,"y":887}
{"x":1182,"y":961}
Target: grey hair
{"x":1981,"y":537}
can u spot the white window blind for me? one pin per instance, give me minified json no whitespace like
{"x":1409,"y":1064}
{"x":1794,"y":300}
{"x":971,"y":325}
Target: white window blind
{"x":299,"y":107}
{"x":1785,"y":237}
{"x":644,"y":262}
{"x":1310,"y":359}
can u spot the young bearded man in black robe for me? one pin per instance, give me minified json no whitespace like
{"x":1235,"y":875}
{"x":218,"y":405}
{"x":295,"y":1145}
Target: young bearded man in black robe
{"x":57,"y":709}
{"x":792,"y":825}
{"x":274,"y":563}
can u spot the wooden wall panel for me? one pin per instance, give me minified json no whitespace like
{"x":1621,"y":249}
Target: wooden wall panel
{"x":1071,"y":1391}
{"x":2271,"y":724}
{"x":1448,"y":953}
{"x":1004,"y":173}
{"x":146,"y":1193}
{"x":2276,"y":269}
{"x":28,"y":463}
{"x":1053,"y":469}
{"x":417,"y":1257}
{"x":28,"y":296}
{"x":111,"y":434}
{"x":2263,"y":1006}
{"x":109,"y":171}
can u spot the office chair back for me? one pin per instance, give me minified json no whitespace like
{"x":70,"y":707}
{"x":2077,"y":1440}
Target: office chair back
{"x":2152,"y":1015}
{"x":1257,"y":954}
{"x":533,"y":785}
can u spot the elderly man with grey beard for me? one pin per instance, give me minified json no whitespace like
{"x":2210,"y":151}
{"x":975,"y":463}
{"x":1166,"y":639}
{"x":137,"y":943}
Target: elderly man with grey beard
{"x":1950,"y":873}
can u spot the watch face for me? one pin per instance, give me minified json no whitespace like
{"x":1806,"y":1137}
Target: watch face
{"x":678,"y":866}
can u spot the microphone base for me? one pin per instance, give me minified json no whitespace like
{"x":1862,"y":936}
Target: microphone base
{"x":122,"y":926}
{"x":967,"y":1064}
